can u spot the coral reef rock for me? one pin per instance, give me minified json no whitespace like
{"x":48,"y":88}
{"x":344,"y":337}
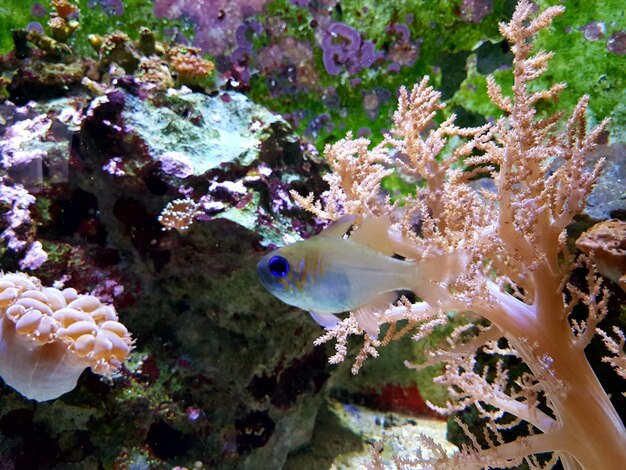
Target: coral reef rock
{"x":222,"y":373}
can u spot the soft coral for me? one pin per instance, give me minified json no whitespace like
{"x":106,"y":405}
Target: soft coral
{"x":519,"y":277}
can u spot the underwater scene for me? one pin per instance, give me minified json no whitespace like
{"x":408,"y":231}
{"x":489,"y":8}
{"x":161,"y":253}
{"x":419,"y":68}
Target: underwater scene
{"x":312,"y":234}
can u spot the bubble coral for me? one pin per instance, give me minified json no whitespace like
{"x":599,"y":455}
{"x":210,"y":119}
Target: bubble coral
{"x":49,"y":336}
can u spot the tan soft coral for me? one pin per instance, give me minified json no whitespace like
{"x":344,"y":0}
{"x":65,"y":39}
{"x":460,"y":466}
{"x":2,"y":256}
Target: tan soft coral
{"x":513,"y":226}
{"x":49,"y":336}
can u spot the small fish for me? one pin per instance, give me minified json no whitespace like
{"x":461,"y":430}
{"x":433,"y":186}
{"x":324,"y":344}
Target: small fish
{"x":334,"y":272}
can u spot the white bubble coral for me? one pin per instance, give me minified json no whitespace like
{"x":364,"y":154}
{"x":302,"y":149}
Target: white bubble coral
{"x":49,"y":336}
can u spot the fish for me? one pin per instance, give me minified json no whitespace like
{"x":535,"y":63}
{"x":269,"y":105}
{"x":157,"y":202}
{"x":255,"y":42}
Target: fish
{"x":343,"y":269}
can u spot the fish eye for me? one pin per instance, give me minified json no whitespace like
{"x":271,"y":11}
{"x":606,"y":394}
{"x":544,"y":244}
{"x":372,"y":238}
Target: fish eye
{"x":278,"y":266}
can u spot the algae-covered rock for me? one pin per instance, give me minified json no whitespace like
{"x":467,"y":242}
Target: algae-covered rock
{"x":222,"y":372}
{"x":208,"y":130}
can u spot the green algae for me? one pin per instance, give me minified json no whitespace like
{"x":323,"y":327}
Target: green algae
{"x":586,"y":65}
{"x":449,"y":45}
{"x":451,"y":61}
{"x":13,"y":14}
{"x":438,"y":57}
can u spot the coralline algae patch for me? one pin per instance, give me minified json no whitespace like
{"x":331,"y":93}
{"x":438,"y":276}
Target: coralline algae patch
{"x":198,"y":126}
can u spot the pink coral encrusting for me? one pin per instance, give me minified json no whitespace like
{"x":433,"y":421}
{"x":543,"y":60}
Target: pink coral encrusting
{"x":48,"y":337}
{"x":519,"y":277}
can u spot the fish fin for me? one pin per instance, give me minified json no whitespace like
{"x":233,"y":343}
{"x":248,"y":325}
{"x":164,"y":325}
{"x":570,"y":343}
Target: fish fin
{"x":338,"y":228}
{"x":373,"y":232}
{"x":327,"y":320}
{"x":368,"y":316}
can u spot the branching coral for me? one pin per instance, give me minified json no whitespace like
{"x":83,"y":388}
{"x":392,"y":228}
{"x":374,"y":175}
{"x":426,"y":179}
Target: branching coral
{"x":518,"y":277}
{"x":48,"y":337}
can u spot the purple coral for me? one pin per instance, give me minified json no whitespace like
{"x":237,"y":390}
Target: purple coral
{"x":35,"y":26}
{"x":403,"y":51}
{"x":473,"y":11}
{"x":14,"y":151}
{"x":114,"y":167}
{"x":244,"y":33}
{"x":176,"y":164}
{"x":35,"y":256}
{"x":216,"y":20}
{"x":287,"y":65}
{"x":617,"y":43}
{"x":240,"y":57}
{"x":401,"y":30}
{"x":38,"y":10}
{"x":343,"y":45}
{"x":19,"y":200}
{"x":594,"y":31}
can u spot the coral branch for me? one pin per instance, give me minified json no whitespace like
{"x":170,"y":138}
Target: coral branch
{"x":518,"y":271}
{"x":618,"y":361}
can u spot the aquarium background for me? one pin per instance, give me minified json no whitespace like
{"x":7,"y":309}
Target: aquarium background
{"x":156,"y":185}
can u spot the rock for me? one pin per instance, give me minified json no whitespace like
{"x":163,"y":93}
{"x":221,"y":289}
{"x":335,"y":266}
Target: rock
{"x":222,"y":372}
{"x":608,"y":198}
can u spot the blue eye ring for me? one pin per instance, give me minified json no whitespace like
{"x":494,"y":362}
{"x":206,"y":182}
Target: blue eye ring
{"x":278,"y":266}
